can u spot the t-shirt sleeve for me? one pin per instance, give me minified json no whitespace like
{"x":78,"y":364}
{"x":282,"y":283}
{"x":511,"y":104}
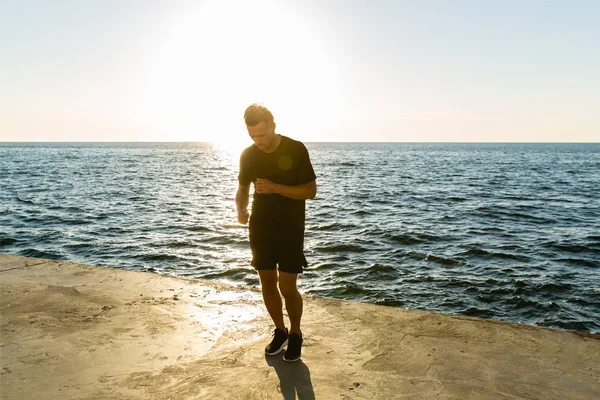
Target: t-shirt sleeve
{"x":244,"y":174}
{"x":306,"y":173}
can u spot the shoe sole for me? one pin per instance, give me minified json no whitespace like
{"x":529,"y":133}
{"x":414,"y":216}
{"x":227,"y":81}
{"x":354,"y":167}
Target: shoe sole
{"x":274,"y":353}
{"x":288,"y":360}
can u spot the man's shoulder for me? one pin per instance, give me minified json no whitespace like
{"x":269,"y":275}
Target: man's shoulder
{"x":293,"y":145}
{"x":249,"y":151}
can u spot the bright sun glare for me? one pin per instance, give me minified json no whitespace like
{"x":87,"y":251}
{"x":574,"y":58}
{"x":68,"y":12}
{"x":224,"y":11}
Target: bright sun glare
{"x":223,"y":55}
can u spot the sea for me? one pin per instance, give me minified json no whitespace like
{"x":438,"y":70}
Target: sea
{"x":492,"y":230}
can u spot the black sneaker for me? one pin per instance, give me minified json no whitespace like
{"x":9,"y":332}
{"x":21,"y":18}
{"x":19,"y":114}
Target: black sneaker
{"x":294,"y":350}
{"x":280,"y":340}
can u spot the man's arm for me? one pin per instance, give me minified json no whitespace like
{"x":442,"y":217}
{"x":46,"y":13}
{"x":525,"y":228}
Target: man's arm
{"x":306,"y":191}
{"x":241,"y":203}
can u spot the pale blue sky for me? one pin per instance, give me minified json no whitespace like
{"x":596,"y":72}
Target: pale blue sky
{"x":330,"y":70}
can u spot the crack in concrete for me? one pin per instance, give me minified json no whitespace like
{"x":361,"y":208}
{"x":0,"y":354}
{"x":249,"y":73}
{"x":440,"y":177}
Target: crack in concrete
{"x":378,"y":355}
{"x":430,"y":365}
{"x":30,"y":265}
{"x":385,"y":352}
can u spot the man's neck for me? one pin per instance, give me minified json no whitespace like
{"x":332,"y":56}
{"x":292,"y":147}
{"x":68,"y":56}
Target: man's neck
{"x":274,"y":145}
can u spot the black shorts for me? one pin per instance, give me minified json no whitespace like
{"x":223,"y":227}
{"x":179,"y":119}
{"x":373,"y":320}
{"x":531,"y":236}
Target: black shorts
{"x":277,"y":244}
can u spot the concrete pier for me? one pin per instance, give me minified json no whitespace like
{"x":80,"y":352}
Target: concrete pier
{"x":73,"y":331}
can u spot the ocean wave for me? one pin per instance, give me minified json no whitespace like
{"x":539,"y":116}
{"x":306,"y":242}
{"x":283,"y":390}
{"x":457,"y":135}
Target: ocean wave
{"x":7,"y":241}
{"x":380,"y":271}
{"x":64,"y":208}
{"x":493,"y":255}
{"x":25,"y":201}
{"x":340,"y":248}
{"x":323,"y":266}
{"x":333,"y":227}
{"x":552,"y":287}
{"x":477,"y":312}
{"x":78,"y":246}
{"x":381,"y":268}
{"x":157,"y":257}
{"x":30,"y":252}
{"x":198,"y":228}
{"x":579,"y":261}
{"x":74,"y":221}
{"x":230,"y":274}
{"x":390,"y":302}
{"x":566,"y":247}
{"x":345,"y":290}
{"x":403,"y":238}
{"x":176,"y":244}
{"x":444,"y":260}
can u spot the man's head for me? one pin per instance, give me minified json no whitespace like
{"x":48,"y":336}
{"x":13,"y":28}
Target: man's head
{"x":261,"y":127}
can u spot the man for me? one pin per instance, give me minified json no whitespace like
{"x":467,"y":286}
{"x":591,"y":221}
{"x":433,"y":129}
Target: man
{"x":283,"y":179}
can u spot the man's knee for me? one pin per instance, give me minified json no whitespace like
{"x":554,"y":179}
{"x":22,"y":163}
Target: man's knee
{"x":288,"y":289}
{"x":268,"y":279}
{"x":270,"y":290}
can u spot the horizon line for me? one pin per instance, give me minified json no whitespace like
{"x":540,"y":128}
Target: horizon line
{"x":357,"y":142}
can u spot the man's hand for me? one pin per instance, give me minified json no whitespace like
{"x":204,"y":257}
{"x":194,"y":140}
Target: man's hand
{"x":265,"y":186}
{"x":243,"y":216}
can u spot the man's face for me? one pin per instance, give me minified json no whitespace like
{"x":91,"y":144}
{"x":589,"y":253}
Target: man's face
{"x":262,"y":134}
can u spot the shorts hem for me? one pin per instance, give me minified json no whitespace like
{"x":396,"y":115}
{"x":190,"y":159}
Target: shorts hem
{"x":298,"y":270}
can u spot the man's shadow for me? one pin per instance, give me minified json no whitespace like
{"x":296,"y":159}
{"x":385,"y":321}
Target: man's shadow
{"x":294,"y":378}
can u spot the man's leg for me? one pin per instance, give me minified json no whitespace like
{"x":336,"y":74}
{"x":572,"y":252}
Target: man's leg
{"x":293,"y":299}
{"x":271,"y":296}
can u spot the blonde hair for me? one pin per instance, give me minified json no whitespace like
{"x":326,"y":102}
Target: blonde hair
{"x":257,"y":113}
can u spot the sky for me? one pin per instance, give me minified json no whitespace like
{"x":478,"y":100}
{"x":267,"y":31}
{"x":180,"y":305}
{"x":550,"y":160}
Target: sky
{"x":340,"y":70}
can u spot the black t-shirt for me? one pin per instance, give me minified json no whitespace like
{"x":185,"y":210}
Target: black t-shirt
{"x":288,"y":165}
